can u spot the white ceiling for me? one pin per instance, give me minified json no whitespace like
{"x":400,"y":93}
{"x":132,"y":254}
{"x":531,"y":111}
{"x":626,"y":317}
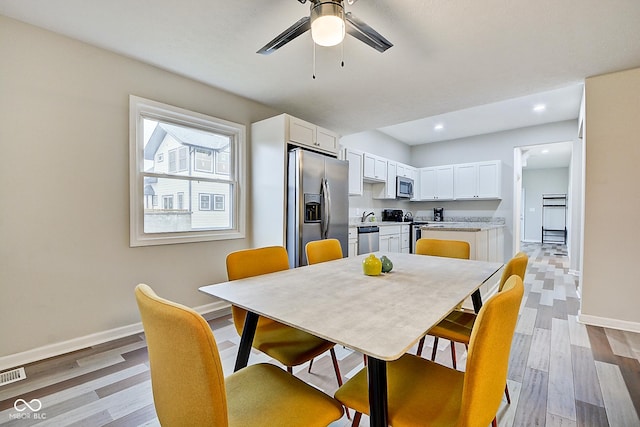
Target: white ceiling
{"x":476,"y":66}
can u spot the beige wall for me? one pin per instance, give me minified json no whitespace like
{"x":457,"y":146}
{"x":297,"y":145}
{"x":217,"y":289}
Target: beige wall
{"x":66,"y":268}
{"x":611,"y":288}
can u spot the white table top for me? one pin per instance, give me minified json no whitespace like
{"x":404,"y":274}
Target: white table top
{"x":381,"y":316}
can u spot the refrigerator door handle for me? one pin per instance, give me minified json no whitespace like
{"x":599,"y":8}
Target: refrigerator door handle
{"x":326,"y":214}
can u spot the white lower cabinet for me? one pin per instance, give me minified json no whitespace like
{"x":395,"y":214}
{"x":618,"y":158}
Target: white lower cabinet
{"x":405,"y":236}
{"x":353,"y":241}
{"x":390,"y":238}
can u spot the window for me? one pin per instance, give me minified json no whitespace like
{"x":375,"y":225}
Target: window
{"x":198,"y":187}
{"x":218,"y":202}
{"x":204,"y":160}
{"x":180,"y":200}
{"x":210,"y":202}
{"x":205,"y":202}
{"x":167,"y":202}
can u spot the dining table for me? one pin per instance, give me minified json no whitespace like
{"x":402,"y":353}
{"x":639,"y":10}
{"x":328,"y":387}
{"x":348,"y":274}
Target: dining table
{"x":380,"y":316}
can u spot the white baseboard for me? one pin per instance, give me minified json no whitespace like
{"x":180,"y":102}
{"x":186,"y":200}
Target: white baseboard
{"x":606,"y":322}
{"x":209,"y":311}
{"x":574,"y":273}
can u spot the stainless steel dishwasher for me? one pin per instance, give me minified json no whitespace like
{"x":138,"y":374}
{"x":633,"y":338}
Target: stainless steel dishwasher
{"x":368,"y":239}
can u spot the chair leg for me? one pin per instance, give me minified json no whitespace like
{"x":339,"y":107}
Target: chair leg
{"x":290,"y":369}
{"x":336,"y":368}
{"x":453,"y":354}
{"x":506,"y":393}
{"x":310,"y":365}
{"x":494,"y":423}
{"x":356,"y":419}
{"x":435,"y":348}
{"x":420,"y":345}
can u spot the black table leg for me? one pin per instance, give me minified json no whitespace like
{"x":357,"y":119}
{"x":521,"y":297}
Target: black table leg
{"x":377,"y":370}
{"x":476,"y":298}
{"x":249,"y":330}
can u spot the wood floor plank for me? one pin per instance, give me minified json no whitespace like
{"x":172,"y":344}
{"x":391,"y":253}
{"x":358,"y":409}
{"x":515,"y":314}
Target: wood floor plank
{"x":585,"y":378}
{"x":544,"y":316}
{"x":507,"y":412}
{"x":600,"y":346}
{"x":618,"y":342}
{"x":561,"y":396}
{"x":554,"y":420}
{"x":617,"y":401}
{"x":527,"y":321}
{"x":532,"y":405}
{"x":589,"y":415}
{"x":520,"y":348}
{"x":559,"y":309}
{"x":578,"y":332}
{"x":539,"y":352}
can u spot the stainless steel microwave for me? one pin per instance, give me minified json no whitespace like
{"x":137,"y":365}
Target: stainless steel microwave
{"x":404,"y":187}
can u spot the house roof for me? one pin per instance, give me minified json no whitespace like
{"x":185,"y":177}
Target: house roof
{"x":186,"y":136}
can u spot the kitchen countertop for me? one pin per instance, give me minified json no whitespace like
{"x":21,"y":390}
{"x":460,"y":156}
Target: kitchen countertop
{"x":461,"y":226}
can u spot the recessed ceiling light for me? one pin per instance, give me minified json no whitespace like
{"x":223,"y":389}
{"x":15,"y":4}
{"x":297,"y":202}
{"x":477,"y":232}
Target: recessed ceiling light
{"x":539,"y":108}
{"x":439,"y":126}
{"x":545,"y":151}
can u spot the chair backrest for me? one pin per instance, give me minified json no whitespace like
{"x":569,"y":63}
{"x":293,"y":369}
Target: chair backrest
{"x":443,"y":248}
{"x":516,"y":265}
{"x":323,"y":250}
{"x":488,"y":355}
{"x":186,"y":372}
{"x":254,"y":262}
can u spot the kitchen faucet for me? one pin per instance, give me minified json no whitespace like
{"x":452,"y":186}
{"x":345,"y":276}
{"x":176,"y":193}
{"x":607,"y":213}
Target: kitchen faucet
{"x":365,"y":215}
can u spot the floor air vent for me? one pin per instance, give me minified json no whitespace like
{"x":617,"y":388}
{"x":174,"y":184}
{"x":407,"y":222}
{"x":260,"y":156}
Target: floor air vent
{"x":12,"y":376}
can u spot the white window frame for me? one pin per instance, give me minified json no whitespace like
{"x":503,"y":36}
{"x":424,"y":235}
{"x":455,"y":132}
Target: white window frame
{"x":140,"y":108}
{"x":201,"y":197}
{"x":195,"y":159}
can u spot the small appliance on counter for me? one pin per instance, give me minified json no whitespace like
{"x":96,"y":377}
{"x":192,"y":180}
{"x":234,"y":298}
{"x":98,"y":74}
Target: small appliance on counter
{"x":438,"y":214}
{"x":394,"y":215}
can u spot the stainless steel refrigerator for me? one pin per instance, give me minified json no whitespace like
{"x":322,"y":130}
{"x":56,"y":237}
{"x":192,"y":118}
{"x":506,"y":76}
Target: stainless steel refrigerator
{"x":317,"y":202}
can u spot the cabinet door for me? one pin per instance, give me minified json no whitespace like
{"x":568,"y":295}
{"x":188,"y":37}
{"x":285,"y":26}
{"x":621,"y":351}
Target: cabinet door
{"x":326,"y":140}
{"x":302,"y":132}
{"x":428,"y":182}
{"x":394,"y":243}
{"x":355,"y":159}
{"x":384,"y":243}
{"x":489,"y":180}
{"x":390,"y":187}
{"x":444,"y":183}
{"x":465,"y":177}
{"x":375,"y":168}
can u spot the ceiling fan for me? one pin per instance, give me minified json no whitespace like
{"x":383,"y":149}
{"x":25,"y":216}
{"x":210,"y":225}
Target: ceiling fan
{"x":328,"y":23}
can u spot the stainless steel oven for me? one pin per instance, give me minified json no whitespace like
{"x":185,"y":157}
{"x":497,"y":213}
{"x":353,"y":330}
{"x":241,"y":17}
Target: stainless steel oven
{"x":415,"y":234}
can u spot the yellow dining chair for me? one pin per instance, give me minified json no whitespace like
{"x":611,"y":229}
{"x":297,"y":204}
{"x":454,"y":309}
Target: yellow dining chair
{"x":457,"y":326}
{"x":189,"y":388}
{"x":323,"y":250}
{"x":289,"y":346}
{"x":424,"y":393}
{"x":448,"y":249}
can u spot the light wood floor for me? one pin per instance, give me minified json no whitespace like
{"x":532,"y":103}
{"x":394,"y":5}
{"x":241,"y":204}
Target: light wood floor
{"x":561,"y":373}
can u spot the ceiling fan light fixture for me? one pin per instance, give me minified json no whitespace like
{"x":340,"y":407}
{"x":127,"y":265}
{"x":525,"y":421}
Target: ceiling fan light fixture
{"x":327,"y":23}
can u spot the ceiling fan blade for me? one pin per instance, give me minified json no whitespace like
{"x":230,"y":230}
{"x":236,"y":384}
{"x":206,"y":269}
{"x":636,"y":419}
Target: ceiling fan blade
{"x":366,"y":34}
{"x":302,"y":26}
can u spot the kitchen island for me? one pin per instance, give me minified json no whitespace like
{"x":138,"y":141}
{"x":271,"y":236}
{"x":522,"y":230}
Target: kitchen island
{"x":486,"y":241}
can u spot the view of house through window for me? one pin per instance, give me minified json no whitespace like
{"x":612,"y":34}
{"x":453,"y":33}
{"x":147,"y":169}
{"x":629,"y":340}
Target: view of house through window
{"x":190,"y":153}
{"x":188,"y":179}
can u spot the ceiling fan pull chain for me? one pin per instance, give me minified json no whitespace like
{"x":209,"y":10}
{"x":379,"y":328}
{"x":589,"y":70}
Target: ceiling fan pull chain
{"x":314,"y":60}
{"x":342,"y":52}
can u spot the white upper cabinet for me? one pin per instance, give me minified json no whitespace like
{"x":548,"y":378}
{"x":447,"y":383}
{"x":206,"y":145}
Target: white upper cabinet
{"x":304,"y":133}
{"x":387,"y":190}
{"x":356,"y":160}
{"x":375,"y":168}
{"x":436,"y":183}
{"x":480,"y":180}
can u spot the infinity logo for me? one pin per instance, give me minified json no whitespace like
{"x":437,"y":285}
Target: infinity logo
{"x":37,"y":405}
